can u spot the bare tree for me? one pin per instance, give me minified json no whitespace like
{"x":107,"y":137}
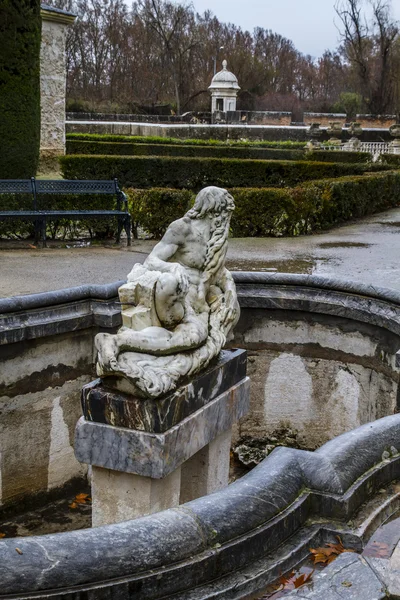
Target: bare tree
{"x":369,"y":49}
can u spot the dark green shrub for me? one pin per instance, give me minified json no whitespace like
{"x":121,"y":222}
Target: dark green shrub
{"x":390,"y":159}
{"x":20,"y":34}
{"x":244,"y":152}
{"x":342,"y":156}
{"x":309,"y":207}
{"x":195,"y":173}
{"x":155,"y":209}
{"x":129,"y":149}
{"x":142,"y":139}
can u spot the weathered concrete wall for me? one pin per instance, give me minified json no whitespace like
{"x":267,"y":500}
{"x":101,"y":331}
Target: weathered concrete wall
{"x":220,"y":132}
{"x":321,"y":360}
{"x":40,"y":382}
{"x":324,"y":119}
{"x":380,"y":121}
{"x":318,"y":375}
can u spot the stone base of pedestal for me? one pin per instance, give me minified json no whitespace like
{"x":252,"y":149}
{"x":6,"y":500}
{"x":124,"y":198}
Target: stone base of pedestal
{"x":152,"y":466}
{"x":208,"y":470}
{"x":120,"y":496}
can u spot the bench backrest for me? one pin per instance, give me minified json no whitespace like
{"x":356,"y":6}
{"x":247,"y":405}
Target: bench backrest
{"x":74,"y":186}
{"x":61,"y":186}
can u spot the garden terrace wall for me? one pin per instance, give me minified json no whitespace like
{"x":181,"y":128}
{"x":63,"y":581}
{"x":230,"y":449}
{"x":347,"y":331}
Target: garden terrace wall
{"x":272,"y":211}
{"x":221,"y":132}
{"x":125,"y":149}
{"x":195,"y":173}
{"x":321,"y":360}
{"x":324,"y":119}
{"x":376,"y":121}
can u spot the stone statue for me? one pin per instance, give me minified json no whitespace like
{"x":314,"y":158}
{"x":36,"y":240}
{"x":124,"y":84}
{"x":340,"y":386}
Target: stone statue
{"x":179,"y":307}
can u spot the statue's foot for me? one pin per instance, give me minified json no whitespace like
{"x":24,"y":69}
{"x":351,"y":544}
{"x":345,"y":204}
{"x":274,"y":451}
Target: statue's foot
{"x":107,"y":348}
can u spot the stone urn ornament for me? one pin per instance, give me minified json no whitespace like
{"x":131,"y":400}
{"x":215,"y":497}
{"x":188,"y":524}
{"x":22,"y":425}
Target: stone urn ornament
{"x":315,"y":133}
{"x":335,"y":132}
{"x":354,"y":144}
{"x":394,"y":131}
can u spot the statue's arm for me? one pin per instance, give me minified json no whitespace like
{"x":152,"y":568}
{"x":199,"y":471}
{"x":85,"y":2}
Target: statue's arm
{"x":226,"y":282}
{"x":166,"y":248}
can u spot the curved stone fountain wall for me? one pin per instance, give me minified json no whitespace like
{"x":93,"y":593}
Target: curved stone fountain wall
{"x":321,"y":360}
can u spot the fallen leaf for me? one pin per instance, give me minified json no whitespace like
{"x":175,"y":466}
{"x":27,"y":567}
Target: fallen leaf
{"x":32,"y":246}
{"x":2,"y":535}
{"x":73,"y":505}
{"x":347,"y":583}
{"x":302,"y":579}
{"x":328,"y":553}
{"x":294,"y":580}
{"x":19,"y":550}
{"x":82,"y":498}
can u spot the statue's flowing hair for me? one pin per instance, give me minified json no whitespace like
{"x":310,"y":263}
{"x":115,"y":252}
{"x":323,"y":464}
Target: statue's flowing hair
{"x":218,"y":201}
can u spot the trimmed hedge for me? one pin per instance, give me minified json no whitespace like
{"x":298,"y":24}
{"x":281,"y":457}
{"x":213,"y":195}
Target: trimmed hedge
{"x":155,"y":209}
{"x":142,"y":149}
{"x":390,"y":159}
{"x":20,"y":34}
{"x":259,"y":212}
{"x":129,"y":149}
{"x":143,"y":139}
{"x":195,"y":173}
{"x":342,"y":156}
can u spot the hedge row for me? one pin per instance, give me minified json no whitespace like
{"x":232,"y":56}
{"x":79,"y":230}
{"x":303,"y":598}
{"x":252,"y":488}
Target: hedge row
{"x":143,"y":139}
{"x":245,"y":152}
{"x":20,"y":34}
{"x":195,"y":173}
{"x":390,"y":159}
{"x":304,"y":209}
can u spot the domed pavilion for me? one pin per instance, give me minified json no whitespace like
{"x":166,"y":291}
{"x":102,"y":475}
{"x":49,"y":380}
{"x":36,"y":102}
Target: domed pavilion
{"x":224,"y":89}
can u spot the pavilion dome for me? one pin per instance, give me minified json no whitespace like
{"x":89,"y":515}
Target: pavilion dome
{"x":224,"y":79}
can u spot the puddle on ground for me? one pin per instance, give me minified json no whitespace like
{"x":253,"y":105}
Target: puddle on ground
{"x":306,"y":266}
{"x":65,"y":514}
{"x":390,"y":223}
{"x":385,"y":539}
{"x":344,"y":245}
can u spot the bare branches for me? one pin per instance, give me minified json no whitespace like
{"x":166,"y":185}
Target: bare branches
{"x":159,"y":51}
{"x":369,"y":49}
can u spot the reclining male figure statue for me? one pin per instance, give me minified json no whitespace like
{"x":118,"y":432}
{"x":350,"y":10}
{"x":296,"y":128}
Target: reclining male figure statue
{"x":188,"y":298}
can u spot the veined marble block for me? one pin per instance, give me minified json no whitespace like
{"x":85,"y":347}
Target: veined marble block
{"x":156,"y":455}
{"x":103,"y":403}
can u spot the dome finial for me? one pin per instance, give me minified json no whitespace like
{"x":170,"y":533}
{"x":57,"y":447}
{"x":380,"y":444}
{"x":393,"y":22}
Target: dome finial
{"x":224,"y":64}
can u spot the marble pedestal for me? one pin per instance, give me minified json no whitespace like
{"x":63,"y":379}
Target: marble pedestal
{"x":148,"y":455}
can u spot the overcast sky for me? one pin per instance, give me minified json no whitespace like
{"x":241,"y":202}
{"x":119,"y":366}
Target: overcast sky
{"x":308,"y":23}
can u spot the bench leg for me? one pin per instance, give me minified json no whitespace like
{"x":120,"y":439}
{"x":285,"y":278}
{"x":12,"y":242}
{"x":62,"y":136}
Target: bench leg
{"x":120,"y":228}
{"x":38,"y":231}
{"x":44,"y":244}
{"x":128,"y":229}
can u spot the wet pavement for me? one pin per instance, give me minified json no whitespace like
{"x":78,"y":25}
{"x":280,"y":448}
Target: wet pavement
{"x":367,"y":251}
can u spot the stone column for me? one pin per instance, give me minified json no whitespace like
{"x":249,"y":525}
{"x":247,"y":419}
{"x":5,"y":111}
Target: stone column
{"x":151,"y":454}
{"x":52,"y":86}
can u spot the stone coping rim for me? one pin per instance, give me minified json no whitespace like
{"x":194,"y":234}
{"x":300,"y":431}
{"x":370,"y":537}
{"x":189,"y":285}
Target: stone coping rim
{"x":109,"y":291}
{"x":65,"y":560}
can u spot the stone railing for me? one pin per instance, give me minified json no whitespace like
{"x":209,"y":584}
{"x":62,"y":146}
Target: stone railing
{"x":374,"y":148}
